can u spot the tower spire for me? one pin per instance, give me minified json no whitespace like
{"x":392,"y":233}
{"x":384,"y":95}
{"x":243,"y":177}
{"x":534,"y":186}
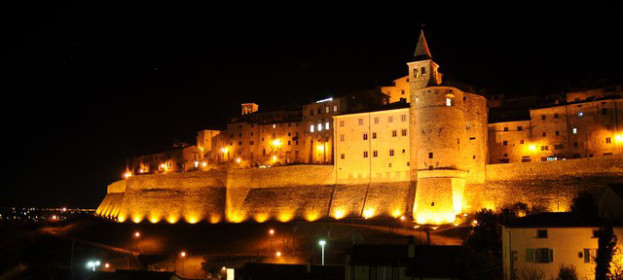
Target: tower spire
{"x":421,"y":50}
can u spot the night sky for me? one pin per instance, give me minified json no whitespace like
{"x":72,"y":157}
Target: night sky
{"x":86,"y":86}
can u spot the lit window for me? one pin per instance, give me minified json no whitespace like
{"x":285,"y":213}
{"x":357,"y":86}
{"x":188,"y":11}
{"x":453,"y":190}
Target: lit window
{"x":575,"y":130}
{"x":319,"y":127}
{"x":448,"y":101}
{"x":342,"y":137}
{"x":360,"y":121}
{"x":580,"y":114}
{"x":326,"y":125}
{"x":274,"y":125}
{"x":334,"y":108}
{"x":376,"y":120}
{"x":311,"y":128}
{"x":327,"y":109}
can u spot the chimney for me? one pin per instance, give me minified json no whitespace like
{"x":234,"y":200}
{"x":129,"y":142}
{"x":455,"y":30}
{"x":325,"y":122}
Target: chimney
{"x":411,"y":247}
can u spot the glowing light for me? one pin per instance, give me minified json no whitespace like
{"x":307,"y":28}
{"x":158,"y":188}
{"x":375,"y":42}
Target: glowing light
{"x":368,"y":213}
{"x":456,"y":224}
{"x":137,"y":219}
{"x":338,"y":214}
{"x":137,"y":234}
{"x":402,"y":218}
{"x":107,"y":265}
{"x":204,"y":164}
{"x":183,"y":254}
{"x":154,"y":220}
{"x":416,"y":226}
{"x":322,"y":242}
{"x":162,"y":166}
{"x":127,"y":175}
{"x":215,"y":219}
{"x":434,"y":228}
{"x":285,"y":217}
{"x":618,"y":138}
{"x":260,"y":218}
{"x":320,"y":148}
{"x":325,"y":100}
{"x":277,"y":142}
{"x":173,"y":219}
{"x":271,"y":232}
{"x":474,"y":222}
{"x":278,"y":254}
{"x":532,"y":147}
{"x":224,"y":150}
{"x":64,"y":209}
{"x":396,"y":213}
{"x":196,"y":164}
{"x":192,"y":220}
{"x":274,"y":158}
{"x":54,"y":217}
{"x":238,"y":160}
{"x":312,"y":216}
{"x":435,"y":218}
{"x":121,"y":218}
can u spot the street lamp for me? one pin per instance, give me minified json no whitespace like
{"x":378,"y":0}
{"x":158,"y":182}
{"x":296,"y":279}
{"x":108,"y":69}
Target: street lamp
{"x":137,"y":234}
{"x":322,"y":242}
{"x":93,"y":264}
{"x":182,"y":256}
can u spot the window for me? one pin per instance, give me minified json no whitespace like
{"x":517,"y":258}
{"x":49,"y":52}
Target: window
{"x":423,"y":70}
{"x":319,"y":111}
{"x":541,"y":233}
{"x":326,"y":109}
{"x":608,"y":141}
{"x":311,"y":128}
{"x":375,"y":153}
{"x":251,"y":143}
{"x":521,"y":142}
{"x":326,"y":125}
{"x":589,"y":255}
{"x":595,"y":234}
{"x":342,"y":156}
{"x":520,"y":128}
{"x":505,"y":143}
{"x":415,"y":73}
{"x":604,"y":111}
{"x":274,"y":126}
{"x":448,"y":101}
{"x":539,"y":255}
{"x":394,"y":133}
{"x":403,"y":132}
{"x":311,"y":112}
{"x":557,"y":133}
{"x":365,"y":154}
{"x":580,"y":114}
{"x":430,"y":155}
{"x":319,"y":127}
{"x":391,"y":152}
{"x":575,"y":130}
{"x":334,"y":108}
{"x":373,"y":135}
{"x":544,"y":134}
{"x":505,"y":128}
{"x":558,"y":147}
{"x":376,"y":120}
{"x":402,"y":92}
{"x":390,"y":119}
{"x":542,"y":117}
{"x":544,"y":148}
{"x":403,"y":118}
{"x":341,"y":137}
{"x":365,"y":136}
{"x":555,"y":115}
{"x":360,"y":121}
{"x":341,"y":123}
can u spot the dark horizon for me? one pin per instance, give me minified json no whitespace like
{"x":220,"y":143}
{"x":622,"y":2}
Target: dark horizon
{"x":92,"y":85}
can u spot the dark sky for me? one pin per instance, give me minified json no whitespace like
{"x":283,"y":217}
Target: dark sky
{"x":88,"y":85}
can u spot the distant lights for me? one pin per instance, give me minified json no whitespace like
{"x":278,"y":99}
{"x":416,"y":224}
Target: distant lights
{"x":320,"y":148}
{"x":196,"y":164}
{"x":127,"y":174}
{"x":204,"y":164}
{"x":238,"y":160}
{"x":278,"y":254}
{"x":93,"y":264}
{"x":277,"y":142}
{"x":274,"y":158}
{"x":532,"y":147}
{"x":618,"y":138}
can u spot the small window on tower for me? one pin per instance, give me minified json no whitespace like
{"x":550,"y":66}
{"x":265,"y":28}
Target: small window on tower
{"x":430,"y":155}
{"x":415,"y":73}
{"x":423,"y":70}
{"x":448,"y":101}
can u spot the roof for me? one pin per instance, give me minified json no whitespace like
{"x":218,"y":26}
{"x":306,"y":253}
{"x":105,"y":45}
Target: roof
{"x":553,"y":220}
{"x":604,"y":98}
{"x":439,"y":262}
{"x":260,"y":271}
{"x":422,"y":51}
{"x":134,"y":275}
{"x":368,"y":254}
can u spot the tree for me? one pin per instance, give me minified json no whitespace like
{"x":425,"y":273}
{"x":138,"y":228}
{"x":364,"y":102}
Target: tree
{"x":584,"y":203}
{"x":606,"y":243}
{"x":567,"y":273}
{"x":486,"y":236}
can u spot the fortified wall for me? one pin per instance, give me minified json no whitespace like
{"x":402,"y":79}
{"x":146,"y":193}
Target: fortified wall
{"x":309,"y":192}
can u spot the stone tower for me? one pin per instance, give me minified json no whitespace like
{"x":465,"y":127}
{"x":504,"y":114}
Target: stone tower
{"x":438,"y":127}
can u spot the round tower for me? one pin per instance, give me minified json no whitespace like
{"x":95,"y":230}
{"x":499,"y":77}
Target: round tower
{"x":438,"y":126}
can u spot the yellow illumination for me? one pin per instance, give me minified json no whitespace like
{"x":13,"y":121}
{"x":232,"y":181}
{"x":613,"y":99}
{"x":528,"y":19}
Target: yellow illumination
{"x":224,"y":150}
{"x":618,"y":138}
{"x":236,"y":218}
{"x":320,"y":148}
{"x":121,"y":218}
{"x":277,"y":142}
{"x":274,"y":158}
{"x":204,"y":164}
{"x":260,"y":218}
{"x":285,"y":217}
{"x":532,"y":147}
{"x":183,"y":254}
{"x":215,"y":219}
{"x":312,"y":216}
{"x":278,"y":254}
{"x":192,"y":219}
{"x":238,"y":160}
{"x":396,"y":213}
{"x":338,"y":214}
{"x":172,"y":219}
{"x":368,"y":213}
{"x":435,"y":218}
{"x":402,"y":218}
{"x":127,"y":174}
{"x":137,"y":219}
{"x":474,"y":222}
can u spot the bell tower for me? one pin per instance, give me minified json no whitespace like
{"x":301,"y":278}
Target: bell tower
{"x":423,"y":71}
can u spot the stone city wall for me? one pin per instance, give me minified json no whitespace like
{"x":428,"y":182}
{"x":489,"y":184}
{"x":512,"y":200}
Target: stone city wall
{"x":309,"y":192}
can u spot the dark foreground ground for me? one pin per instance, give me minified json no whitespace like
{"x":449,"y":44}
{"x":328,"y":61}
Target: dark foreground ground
{"x":63,"y":249}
